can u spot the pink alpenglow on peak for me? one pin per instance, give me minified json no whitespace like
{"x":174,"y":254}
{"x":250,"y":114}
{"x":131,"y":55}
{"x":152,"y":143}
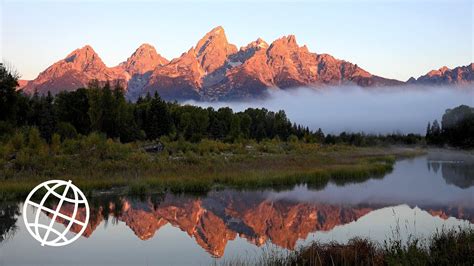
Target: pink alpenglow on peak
{"x":144,"y":59}
{"x":216,"y":70}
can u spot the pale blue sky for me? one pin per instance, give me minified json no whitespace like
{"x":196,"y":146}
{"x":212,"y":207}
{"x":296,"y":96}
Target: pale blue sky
{"x":394,"y":39}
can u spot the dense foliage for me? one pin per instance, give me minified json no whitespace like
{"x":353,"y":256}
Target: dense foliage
{"x":457,"y":128}
{"x":104,"y":109}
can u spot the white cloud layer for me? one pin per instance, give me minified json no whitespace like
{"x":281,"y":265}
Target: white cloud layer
{"x":376,"y":110}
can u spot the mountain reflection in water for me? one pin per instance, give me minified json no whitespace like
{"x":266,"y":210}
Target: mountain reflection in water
{"x":220,"y":216}
{"x":429,"y":191}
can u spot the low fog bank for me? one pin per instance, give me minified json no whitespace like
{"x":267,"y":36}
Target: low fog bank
{"x":450,"y":156}
{"x":353,"y":109}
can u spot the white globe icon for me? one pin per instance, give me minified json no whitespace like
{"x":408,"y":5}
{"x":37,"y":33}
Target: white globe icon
{"x":45,"y":233}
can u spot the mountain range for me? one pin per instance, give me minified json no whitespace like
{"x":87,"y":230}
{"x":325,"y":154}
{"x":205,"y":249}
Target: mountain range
{"x":220,"y":217}
{"x":216,"y":70}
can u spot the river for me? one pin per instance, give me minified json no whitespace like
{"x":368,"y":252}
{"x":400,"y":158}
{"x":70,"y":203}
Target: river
{"x":421,"y":195}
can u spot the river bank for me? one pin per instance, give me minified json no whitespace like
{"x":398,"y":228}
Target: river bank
{"x":444,"y":247}
{"x":94,"y":162}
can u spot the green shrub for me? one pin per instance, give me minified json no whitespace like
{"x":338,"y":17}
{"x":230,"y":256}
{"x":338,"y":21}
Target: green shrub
{"x":66,"y":130}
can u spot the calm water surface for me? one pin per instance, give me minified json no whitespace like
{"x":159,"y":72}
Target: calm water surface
{"x":420,"y":196}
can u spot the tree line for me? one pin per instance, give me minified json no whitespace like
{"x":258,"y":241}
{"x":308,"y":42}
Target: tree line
{"x":103,"y":108}
{"x":456,"y":129}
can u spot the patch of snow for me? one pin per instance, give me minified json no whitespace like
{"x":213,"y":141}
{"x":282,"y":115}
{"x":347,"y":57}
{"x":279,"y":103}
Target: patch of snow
{"x":234,"y":64}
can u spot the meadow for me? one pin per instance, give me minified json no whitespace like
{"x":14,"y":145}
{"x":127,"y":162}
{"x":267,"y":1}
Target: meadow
{"x":95,"y":162}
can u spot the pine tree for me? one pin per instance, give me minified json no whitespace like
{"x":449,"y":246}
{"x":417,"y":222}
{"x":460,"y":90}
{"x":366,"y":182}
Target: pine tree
{"x":319,"y":136}
{"x":158,"y":119}
{"x":8,"y":95}
{"x":428,"y":134}
{"x":435,"y":133}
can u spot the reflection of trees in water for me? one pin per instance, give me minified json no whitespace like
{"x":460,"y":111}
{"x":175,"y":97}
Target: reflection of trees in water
{"x":436,"y":167}
{"x":8,"y":217}
{"x":459,"y":174}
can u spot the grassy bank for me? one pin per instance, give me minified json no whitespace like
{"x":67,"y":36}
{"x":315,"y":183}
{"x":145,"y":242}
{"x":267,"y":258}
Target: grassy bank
{"x":445,"y":247}
{"x":95,"y":162}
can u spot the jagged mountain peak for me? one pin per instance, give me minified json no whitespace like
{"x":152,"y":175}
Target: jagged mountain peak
{"x":144,"y":59}
{"x":444,"y":75}
{"x":444,"y":69}
{"x":76,"y":70}
{"x":285,"y":41}
{"x":85,"y":49}
{"x":146,"y":46}
{"x":84,"y":56}
{"x":257,"y":44}
{"x":439,"y":71}
{"x":261,"y":43}
{"x":215,"y":33}
{"x":144,"y":49}
{"x":216,"y":36}
{"x":217,"y":30}
{"x":214,"y":70}
{"x":212,"y":50}
{"x":289,"y":39}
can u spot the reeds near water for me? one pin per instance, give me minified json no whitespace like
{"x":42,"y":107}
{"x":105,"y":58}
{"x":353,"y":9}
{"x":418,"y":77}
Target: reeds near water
{"x":445,"y":247}
{"x":95,"y":163}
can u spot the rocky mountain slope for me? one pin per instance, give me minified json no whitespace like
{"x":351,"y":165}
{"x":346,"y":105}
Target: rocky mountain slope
{"x":144,"y":59}
{"x":216,"y":70}
{"x":445,"y":76}
{"x":22,"y":83}
{"x":74,"y":71}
